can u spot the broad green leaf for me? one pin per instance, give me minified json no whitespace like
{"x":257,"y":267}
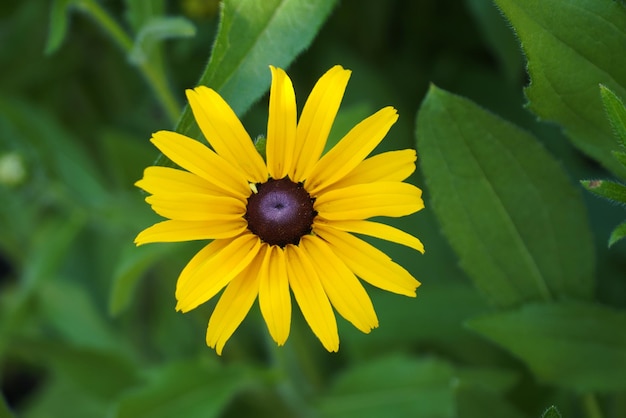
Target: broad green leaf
{"x":551,"y":412}
{"x":570,"y":344}
{"x":190,"y":390}
{"x":253,"y":35}
{"x":158,"y":29}
{"x":571,"y":47}
{"x":508,"y":209}
{"x":58,"y":24}
{"x":607,"y":189}
{"x":408,"y":387}
{"x":618,"y":233}
{"x":615,"y":112}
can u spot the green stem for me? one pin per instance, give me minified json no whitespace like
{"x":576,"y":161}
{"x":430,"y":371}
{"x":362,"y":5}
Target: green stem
{"x":592,"y":407}
{"x":154,"y":75}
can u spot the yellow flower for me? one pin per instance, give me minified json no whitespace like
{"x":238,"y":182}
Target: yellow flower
{"x":288,"y":223}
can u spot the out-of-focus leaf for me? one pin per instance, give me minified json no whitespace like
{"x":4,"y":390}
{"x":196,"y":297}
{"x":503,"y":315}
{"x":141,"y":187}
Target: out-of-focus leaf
{"x":434,"y":319}
{"x":52,"y":152}
{"x":494,"y":380}
{"x":253,"y":35}
{"x":130,"y":270}
{"x":58,"y":24}
{"x":507,"y":208}
{"x":158,"y":29}
{"x":572,"y":345}
{"x":71,"y":313}
{"x":615,"y":112}
{"x":4,"y":408}
{"x":607,"y":189}
{"x":498,"y":36}
{"x":138,"y":12}
{"x":190,"y":390}
{"x":102,"y":374}
{"x":51,"y":400}
{"x":618,"y":233}
{"x":551,"y":412}
{"x":566,"y":64}
{"x":474,"y":402}
{"x":408,"y":387}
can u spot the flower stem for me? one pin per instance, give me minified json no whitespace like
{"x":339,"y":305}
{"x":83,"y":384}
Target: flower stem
{"x":592,"y":408}
{"x":154,"y":75}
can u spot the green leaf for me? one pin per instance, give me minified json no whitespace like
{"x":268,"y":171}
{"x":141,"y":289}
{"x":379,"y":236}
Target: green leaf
{"x":620,"y":156}
{"x":130,"y":271}
{"x":480,"y":403}
{"x":573,"y":345}
{"x":251,"y":36}
{"x":158,"y":29}
{"x":618,"y":233}
{"x":507,"y":208}
{"x":189,"y":390}
{"x":409,"y":388}
{"x":615,"y":112}
{"x":58,"y":24}
{"x":566,"y":63}
{"x":607,"y":189}
{"x":551,"y":412}
{"x":497,"y":34}
{"x":5,"y":412}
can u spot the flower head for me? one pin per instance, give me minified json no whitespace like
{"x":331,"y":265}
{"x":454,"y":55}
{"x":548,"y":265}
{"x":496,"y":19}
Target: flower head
{"x":286,"y":225}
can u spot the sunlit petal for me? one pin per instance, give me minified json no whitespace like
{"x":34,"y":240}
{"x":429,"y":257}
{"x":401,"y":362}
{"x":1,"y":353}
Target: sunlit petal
{"x":201,"y":282}
{"x":179,"y":231}
{"x":281,"y":125}
{"x":222,"y":128}
{"x":316,"y":120}
{"x":344,"y":290}
{"x":274,"y":296}
{"x":202,"y":161}
{"x":234,"y":304}
{"x":369,"y":263}
{"x":378,"y":230}
{"x":311,"y":297}
{"x":388,"y":166}
{"x":362,"y":201}
{"x":197,"y":206}
{"x":351,"y":150}
{"x":170,"y":180}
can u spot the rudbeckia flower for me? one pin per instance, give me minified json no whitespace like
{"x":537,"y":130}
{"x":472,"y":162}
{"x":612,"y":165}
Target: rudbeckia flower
{"x":284,"y":225}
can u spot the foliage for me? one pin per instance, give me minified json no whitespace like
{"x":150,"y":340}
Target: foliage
{"x":522,"y":305}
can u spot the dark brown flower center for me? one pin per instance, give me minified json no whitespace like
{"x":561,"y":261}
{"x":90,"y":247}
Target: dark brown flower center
{"x":281,"y":212}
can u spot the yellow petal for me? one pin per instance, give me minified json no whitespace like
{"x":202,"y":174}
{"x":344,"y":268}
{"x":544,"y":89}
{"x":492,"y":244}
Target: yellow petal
{"x":378,"y":230}
{"x":369,"y":263}
{"x":309,"y":293}
{"x":179,"y":231}
{"x":281,"y":125}
{"x":234,"y":305}
{"x":316,"y":120}
{"x":202,"y":161}
{"x":203,"y":278}
{"x":361,"y":201}
{"x":224,"y":131}
{"x":170,"y":180}
{"x":274,"y":297}
{"x":388,"y":166}
{"x":344,"y":290}
{"x":351,"y":150}
{"x":197,"y":207}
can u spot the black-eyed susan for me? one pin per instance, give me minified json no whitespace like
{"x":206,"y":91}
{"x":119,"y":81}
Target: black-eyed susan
{"x":286,"y":225}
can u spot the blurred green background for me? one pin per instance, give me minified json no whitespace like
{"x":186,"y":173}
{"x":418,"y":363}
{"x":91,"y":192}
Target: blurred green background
{"x":87,"y":321}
